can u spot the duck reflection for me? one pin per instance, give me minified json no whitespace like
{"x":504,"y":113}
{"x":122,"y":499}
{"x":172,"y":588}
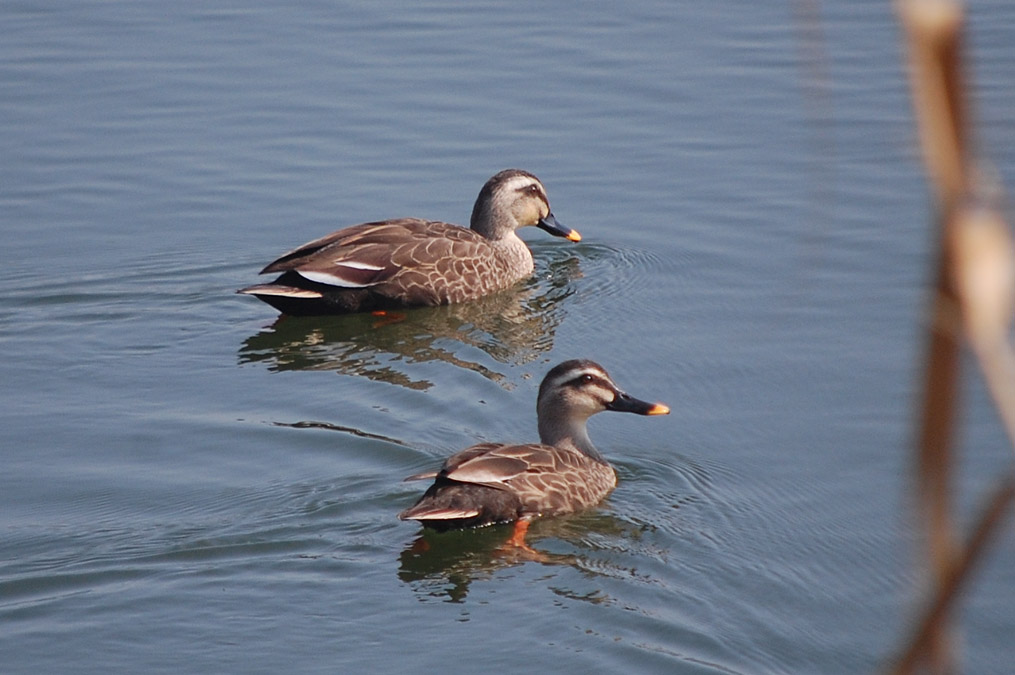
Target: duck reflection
{"x":444,"y":564}
{"x":512,"y":327}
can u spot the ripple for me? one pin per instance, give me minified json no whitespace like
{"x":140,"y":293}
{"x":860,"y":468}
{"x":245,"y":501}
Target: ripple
{"x":188,"y":292}
{"x":609,"y":272}
{"x":349,"y":519}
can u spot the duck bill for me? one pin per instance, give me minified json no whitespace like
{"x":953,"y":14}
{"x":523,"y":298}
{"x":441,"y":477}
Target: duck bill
{"x":553,"y":226}
{"x":625,"y":403}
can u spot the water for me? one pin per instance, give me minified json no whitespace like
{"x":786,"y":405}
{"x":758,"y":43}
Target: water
{"x":189,"y":486}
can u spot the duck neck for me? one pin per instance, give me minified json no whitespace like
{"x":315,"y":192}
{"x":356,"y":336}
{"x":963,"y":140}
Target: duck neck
{"x":514,"y":253}
{"x":485,"y":222}
{"x":568,"y":434}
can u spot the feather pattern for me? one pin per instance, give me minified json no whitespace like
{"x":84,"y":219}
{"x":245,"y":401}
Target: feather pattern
{"x":411,"y":262}
{"x":497,"y":482}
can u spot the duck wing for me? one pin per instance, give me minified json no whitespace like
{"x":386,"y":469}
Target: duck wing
{"x":496,"y":465}
{"x":371,"y":254}
{"x":479,"y":485}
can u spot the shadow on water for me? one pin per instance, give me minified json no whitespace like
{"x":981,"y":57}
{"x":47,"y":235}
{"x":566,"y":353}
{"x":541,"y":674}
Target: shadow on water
{"x":512,"y":327}
{"x":443,"y":565}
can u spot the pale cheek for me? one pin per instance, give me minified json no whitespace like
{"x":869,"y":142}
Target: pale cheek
{"x":530,"y":214}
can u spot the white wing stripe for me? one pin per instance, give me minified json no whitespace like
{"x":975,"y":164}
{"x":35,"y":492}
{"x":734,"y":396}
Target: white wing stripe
{"x":329,"y":279}
{"x":357,"y":265}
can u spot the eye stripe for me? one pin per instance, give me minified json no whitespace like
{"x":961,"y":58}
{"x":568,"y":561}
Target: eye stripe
{"x":533,"y":189}
{"x":585,"y":380}
{"x":575,"y":377}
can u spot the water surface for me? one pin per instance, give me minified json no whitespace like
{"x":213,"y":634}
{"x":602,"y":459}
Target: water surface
{"x":191,"y":485}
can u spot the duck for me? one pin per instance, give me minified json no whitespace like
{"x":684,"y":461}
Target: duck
{"x":491,"y":483}
{"x":411,"y":262}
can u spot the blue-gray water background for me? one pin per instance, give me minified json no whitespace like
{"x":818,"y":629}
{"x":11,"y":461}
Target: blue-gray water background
{"x":186,"y":486}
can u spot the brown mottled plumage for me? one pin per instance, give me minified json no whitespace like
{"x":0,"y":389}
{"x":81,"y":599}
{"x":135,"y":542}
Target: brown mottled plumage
{"x":493,"y":482}
{"x":411,"y":262}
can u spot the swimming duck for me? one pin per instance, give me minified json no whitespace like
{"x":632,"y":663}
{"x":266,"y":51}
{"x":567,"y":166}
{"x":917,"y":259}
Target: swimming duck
{"x":411,"y":262}
{"x":496,"y":483}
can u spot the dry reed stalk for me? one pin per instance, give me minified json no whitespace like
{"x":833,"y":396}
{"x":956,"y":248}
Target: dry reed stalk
{"x":974,"y":294}
{"x":933,"y":29}
{"x":947,"y":593}
{"x":934,"y":32}
{"x":983,"y":267}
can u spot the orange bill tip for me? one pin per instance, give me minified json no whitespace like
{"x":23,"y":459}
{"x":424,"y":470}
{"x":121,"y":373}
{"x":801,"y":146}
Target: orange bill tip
{"x":574,"y":236}
{"x":659,"y":409}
